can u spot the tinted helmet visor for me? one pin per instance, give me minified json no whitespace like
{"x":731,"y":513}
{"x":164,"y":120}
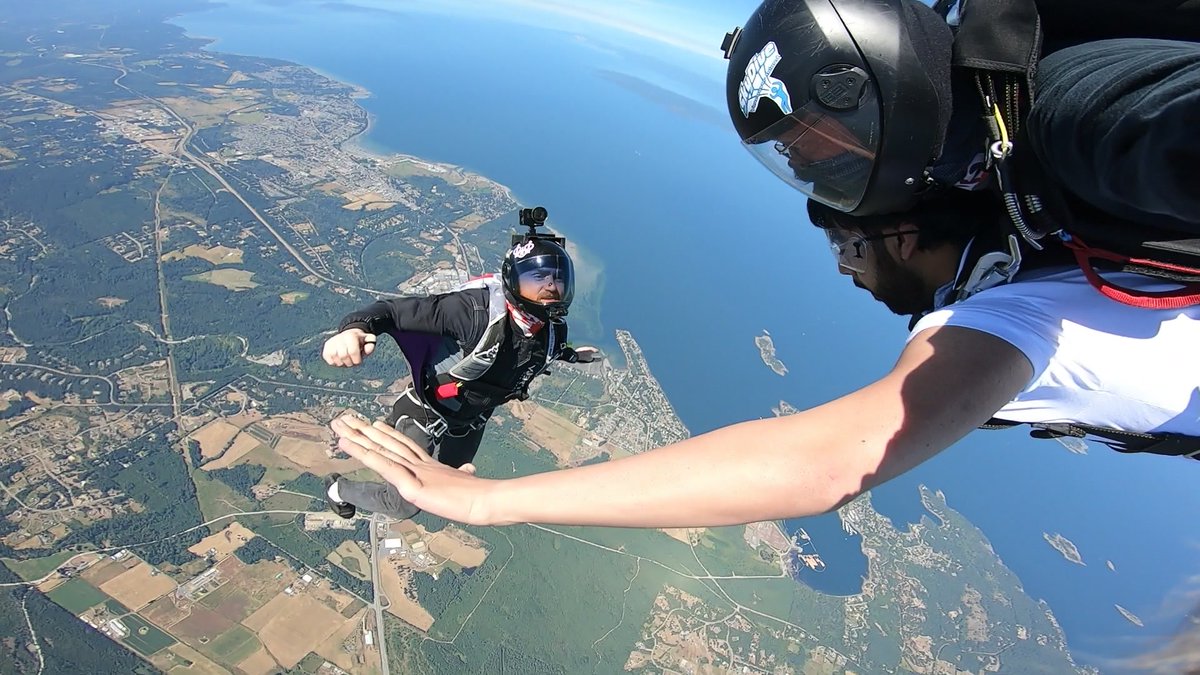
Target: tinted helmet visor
{"x":547,"y":279}
{"x":825,"y":154}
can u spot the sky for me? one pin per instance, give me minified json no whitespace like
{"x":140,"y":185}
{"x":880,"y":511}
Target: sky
{"x":694,"y":28}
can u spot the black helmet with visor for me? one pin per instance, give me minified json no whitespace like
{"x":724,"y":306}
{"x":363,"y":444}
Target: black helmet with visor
{"x":845,"y":100}
{"x":539,"y":278}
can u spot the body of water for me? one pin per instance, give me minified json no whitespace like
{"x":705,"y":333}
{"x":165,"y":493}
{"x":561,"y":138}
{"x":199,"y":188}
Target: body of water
{"x":702,"y":250}
{"x":845,"y":565}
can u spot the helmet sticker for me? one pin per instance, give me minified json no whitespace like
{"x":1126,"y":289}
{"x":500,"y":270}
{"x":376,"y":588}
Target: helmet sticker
{"x":521,"y":250}
{"x":758,"y":83}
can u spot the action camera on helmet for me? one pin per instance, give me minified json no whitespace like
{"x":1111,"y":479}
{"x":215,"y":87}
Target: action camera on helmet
{"x":534,"y":218}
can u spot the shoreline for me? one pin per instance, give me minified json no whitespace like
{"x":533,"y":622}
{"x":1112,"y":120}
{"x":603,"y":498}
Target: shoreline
{"x":209,"y":43}
{"x":361,"y":144}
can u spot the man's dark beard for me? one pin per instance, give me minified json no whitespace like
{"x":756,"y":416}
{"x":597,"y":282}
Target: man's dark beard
{"x":898,"y":288}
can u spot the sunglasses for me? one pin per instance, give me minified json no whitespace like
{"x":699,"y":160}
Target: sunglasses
{"x":848,"y":247}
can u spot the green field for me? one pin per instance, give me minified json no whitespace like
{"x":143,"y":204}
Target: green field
{"x":77,"y":596}
{"x":36,"y":568}
{"x":353,"y":608}
{"x":351,"y":558}
{"x":616,"y":573}
{"x":225,"y":591}
{"x":115,"y":607}
{"x":310,"y":663}
{"x":233,"y":646}
{"x":723,"y":551}
{"x":247,"y":118}
{"x":352,"y":567}
{"x":213,"y":495}
{"x":280,"y":475}
{"x":290,"y":502}
{"x":144,"y":637}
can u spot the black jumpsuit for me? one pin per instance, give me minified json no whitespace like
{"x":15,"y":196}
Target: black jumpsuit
{"x":451,"y":429}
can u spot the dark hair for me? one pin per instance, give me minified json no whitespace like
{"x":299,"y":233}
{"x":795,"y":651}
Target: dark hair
{"x":949,"y":217}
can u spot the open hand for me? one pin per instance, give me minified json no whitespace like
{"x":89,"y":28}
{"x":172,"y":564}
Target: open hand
{"x":348,"y":348}
{"x":452,"y":493}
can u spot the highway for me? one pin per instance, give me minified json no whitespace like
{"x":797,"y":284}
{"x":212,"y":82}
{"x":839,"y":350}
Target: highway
{"x":380,"y":636}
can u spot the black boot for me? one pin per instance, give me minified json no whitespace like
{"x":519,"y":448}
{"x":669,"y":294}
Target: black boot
{"x":343,"y":509}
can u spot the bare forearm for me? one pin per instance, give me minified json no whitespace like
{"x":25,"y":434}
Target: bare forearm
{"x":744,"y":473}
{"x":786,"y":467}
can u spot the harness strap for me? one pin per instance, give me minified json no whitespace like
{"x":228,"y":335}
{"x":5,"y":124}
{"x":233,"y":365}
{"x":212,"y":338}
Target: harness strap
{"x":486,"y":388}
{"x":1129,"y":442}
{"x":1185,"y":296}
{"x":439,"y":427}
{"x":435,"y":425}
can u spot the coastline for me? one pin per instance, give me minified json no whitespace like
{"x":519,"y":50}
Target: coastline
{"x":362,"y":144}
{"x":209,"y":43}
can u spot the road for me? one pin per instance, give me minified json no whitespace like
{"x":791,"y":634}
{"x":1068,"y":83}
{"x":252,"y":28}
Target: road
{"x":106,"y":549}
{"x":164,"y":314}
{"x":380,"y":635}
{"x":184,"y":153}
{"x":65,"y":373}
{"x":36,"y":647}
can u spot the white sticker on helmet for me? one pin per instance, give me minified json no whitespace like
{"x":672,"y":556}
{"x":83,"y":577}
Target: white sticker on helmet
{"x":758,"y":83}
{"x":521,"y":250}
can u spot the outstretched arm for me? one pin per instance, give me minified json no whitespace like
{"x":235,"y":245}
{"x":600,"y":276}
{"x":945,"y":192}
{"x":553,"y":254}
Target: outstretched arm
{"x":947,"y":381}
{"x":460,"y":315}
{"x":455,"y":314}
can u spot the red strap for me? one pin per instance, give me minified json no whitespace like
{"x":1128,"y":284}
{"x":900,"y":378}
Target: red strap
{"x":1186,"y":296}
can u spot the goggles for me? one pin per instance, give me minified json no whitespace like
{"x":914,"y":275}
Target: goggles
{"x":849,"y":248}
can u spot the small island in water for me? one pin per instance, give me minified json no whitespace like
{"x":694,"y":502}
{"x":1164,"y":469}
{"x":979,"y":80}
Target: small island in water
{"x":1064,"y":546}
{"x":1133,"y":618}
{"x":784,"y":408}
{"x":766,"y":349}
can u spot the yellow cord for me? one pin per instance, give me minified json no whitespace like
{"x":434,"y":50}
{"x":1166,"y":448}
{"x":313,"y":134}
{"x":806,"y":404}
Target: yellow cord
{"x":1001,"y":148}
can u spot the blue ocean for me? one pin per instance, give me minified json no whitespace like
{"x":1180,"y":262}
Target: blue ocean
{"x":628,"y":145}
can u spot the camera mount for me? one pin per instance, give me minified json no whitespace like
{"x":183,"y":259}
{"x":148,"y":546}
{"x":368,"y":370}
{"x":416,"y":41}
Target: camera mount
{"x":534,"y":218}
